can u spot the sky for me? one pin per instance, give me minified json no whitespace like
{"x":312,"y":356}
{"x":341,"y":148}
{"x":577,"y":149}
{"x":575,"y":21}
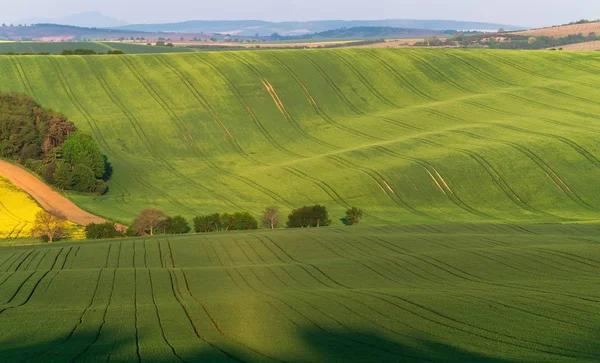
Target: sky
{"x":511,"y":12}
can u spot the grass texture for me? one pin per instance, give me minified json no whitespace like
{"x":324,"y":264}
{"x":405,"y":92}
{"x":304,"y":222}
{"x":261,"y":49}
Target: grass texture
{"x":410,"y":136}
{"x":489,"y":293}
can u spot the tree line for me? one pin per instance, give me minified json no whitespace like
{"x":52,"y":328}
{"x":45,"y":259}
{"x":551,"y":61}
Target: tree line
{"x":47,"y":143}
{"x":51,"y":226}
{"x":89,"y":52}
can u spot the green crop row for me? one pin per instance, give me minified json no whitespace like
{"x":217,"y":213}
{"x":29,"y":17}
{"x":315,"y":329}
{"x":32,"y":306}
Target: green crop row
{"x":429,"y":292}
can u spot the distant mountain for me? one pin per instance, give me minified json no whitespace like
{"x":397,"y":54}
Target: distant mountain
{"x":54,"y":32}
{"x":90,"y":19}
{"x":252,"y":27}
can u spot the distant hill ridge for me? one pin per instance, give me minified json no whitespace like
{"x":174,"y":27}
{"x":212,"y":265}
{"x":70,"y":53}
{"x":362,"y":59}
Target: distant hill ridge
{"x":253,"y":27}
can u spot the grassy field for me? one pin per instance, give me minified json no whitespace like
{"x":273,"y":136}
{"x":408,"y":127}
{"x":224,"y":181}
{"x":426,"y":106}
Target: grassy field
{"x":431,"y":292}
{"x":17,"y":211}
{"x":100,"y":47}
{"x":411,"y":136}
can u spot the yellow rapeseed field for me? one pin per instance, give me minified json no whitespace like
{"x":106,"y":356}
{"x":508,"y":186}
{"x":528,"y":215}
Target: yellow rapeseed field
{"x":17,"y":211}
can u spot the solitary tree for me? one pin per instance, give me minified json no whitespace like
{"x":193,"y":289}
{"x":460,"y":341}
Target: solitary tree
{"x":49,"y":225}
{"x":353,"y":216}
{"x":271,"y":217}
{"x":149,"y":220}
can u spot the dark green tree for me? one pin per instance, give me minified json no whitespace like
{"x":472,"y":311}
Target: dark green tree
{"x":353,"y":216}
{"x":81,"y":149}
{"x":176,"y":225}
{"x":102,"y":231}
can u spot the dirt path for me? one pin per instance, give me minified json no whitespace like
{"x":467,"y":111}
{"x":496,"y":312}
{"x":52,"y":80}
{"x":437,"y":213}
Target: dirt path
{"x":45,"y":196}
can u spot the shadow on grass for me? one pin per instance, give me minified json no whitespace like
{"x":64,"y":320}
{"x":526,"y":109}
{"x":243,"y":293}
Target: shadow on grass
{"x":320,"y":346}
{"x":314,"y":346}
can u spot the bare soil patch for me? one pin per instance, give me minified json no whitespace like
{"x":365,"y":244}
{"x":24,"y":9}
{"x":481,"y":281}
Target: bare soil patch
{"x":583,"y":47}
{"x":46,"y":197}
{"x":563,"y":31}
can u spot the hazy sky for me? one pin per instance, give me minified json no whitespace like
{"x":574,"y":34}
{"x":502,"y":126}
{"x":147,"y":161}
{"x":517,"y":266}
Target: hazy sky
{"x":515,"y":12}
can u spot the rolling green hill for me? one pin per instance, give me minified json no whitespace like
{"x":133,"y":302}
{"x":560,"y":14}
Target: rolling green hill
{"x":411,"y":136}
{"x":460,"y":293}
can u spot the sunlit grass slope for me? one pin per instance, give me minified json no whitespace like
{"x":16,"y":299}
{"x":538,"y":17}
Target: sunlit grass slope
{"x":441,"y":293}
{"x":17,"y":211}
{"x":411,"y":136}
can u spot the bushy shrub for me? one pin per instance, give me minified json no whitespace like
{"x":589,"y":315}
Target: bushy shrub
{"x":239,"y":221}
{"x":102,"y":231}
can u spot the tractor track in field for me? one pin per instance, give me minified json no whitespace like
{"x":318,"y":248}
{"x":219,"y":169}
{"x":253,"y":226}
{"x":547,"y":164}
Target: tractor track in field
{"x":246,"y":106}
{"x":447,"y":80}
{"x":478,"y":70}
{"x":507,"y":336}
{"x":483,"y":332}
{"x":103,"y":323}
{"x":216,"y":324}
{"x":23,"y":76}
{"x":15,"y":261}
{"x":365,"y":81}
{"x":341,"y":96}
{"x":92,"y":123}
{"x":439,"y":181}
{"x":79,"y":322}
{"x":339,"y":303}
{"x":285,"y":113}
{"x":160,"y":322}
{"x":142,"y":136}
{"x":504,"y":305}
{"x":496,"y":178}
{"x":522,"y":69}
{"x":201,"y":99}
{"x":399,"y":77}
{"x":289,"y":305}
{"x":206,"y":105}
{"x":186,"y":133}
{"x":556,"y":179}
{"x":193,"y":144}
{"x":379,"y":180}
{"x":311,"y":100}
{"x":6,"y":260}
{"x":197,"y":332}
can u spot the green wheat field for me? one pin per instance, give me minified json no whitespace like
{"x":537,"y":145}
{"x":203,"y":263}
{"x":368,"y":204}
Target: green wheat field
{"x":478,"y":172}
{"x":420,"y":293}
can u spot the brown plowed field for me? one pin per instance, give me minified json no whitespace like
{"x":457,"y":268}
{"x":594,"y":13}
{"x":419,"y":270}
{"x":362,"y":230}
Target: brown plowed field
{"x":45,"y":196}
{"x":563,"y":31}
{"x":583,"y":47}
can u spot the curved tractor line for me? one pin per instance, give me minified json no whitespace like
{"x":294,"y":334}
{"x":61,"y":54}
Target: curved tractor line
{"x":46,"y":197}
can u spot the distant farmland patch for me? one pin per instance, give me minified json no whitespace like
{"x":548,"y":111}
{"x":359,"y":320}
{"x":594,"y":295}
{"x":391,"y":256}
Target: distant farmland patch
{"x":564,"y":30}
{"x":99,"y":47}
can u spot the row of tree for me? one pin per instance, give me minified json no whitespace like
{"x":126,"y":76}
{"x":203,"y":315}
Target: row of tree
{"x":52,"y":225}
{"x":49,"y":144}
{"x":89,"y":52}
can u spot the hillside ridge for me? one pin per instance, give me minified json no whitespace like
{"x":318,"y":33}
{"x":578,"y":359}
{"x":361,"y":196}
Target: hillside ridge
{"x":410,"y":136}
